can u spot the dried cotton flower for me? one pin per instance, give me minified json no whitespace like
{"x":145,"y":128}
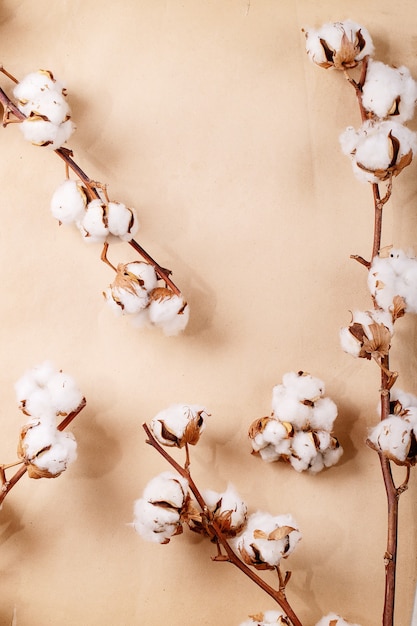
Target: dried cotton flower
{"x":229,"y":510}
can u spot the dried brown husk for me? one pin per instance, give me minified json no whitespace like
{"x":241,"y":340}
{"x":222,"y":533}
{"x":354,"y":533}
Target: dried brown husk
{"x":380,"y":343}
{"x":345,"y":57}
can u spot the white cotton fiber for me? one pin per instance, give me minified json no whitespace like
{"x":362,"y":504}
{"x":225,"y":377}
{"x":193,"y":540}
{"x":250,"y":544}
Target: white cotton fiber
{"x":167,"y":487}
{"x":155,"y":523}
{"x":122,"y":221}
{"x":392,"y":436}
{"x":389,"y":91}
{"x":68,"y":202}
{"x":93,"y":226}
{"x":65,"y":396}
{"x":332,"y":619}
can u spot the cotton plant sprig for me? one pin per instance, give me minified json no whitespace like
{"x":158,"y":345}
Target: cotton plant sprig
{"x":41,"y":109}
{"x":380,"y":149}
{"x":299,"y":430}
{"x":172,"y":500}
{"x":50,"y":399}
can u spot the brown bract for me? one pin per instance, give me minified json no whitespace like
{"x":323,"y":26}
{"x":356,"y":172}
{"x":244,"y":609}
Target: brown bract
{"x":378,"y":345}
{"x":345,"y":56}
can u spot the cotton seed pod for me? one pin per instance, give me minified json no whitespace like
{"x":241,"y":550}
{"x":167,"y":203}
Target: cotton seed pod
{"x":68,"y":202}
{"x":228,"y":509}
{"x":267,"y":539}
{"x":395,"y":438}
{"x":332,"y":619}
{"x":379,"y":150}
{"x":168,"y":310}
{"x":45,"y":451}
{"x":94,"y":224}
{"x":122,"y":221}
{"x":339,"y":45}
{"x":180,"y":424}
{"x":389,"y":92}
{"x":159,"y":514}
{"x":41,"y":132}
{"x":35,"y":84}
{"x":268,"y":618}
{"x":128,"y":293}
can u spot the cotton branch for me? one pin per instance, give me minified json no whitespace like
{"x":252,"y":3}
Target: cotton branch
{"x":93,"y":188}
{"x":277,"y":594}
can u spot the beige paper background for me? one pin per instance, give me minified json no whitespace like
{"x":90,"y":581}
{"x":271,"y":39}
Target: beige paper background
{"x":209,"y":119}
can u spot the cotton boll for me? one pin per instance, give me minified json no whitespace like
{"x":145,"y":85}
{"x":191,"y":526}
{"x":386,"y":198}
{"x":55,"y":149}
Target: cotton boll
{"x":268,"y":539}
{"x":63,"y":133}
{"x":278,"y":618}
{"x":373,"y":151}
{"x":332,"y":619}
{"x":59,"y":456}
{"x":289,"y":409}
{"x":331,"y":456}
{"x":339,"y":44}
{"x":393,"y":437}
{"x":389,"y":91}
{"x":178,"y":323}
{"x":179,"y":424}
{"x":349,"y":343}
{"x":122,"y":221}
{"x":94,"y":226}
{"x":64,"y":393}
{"x":36,"y":83}
{"x":324,"y":413}
{"x":270,"y":454}
{"x":228,"y":508}
{"x":40,"y":132}
{"x":145,"y":272}
{"x":37,"y":435}
{"x":126,"y":301}
{"x":51,"y":105}
{"x":68,"y":202}
{"x":303,"y":451}
{"x":304,"y":386}
{"x":39,"y":404}
{"x":168,"y":488}
{"x":155,"y":523}
{"x":407,"y":399}
{"x":165,"y":307}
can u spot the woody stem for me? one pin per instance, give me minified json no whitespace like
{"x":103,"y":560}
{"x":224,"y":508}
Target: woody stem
{"x":277,"y":594}
{"x":66,"y":156}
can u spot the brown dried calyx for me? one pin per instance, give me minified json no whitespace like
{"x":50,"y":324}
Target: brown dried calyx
{"x":345,"y":56}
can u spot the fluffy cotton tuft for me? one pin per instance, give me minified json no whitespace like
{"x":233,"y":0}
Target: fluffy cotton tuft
{"x":392,"y":436}
{"x":44,"y":391}
{"x":46,"y":451}
{"x":168,"y":311}
{"x":340,"y":45}
{"x":42,"y":100}
{"x":122,"y":222}
{"x":379,"y":150}
{"x":179,"y":424}
{"x":267,"y":539}
{"x":332,"y":619}
{"x":228,"y":508}
{"x":277,"y":618}
{"x":69,"y":201}
{"x":389,"y":92}
{"x":157,"y":515}
{"x":391,"y":276}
